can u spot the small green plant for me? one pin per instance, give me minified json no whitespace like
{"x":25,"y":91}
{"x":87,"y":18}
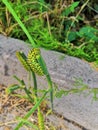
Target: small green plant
{"x":78,"y":88}
{"x":32,"y":64}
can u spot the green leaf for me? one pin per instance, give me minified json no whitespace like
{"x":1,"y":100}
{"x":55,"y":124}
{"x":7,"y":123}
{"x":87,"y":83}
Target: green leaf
{"x":89,"y":33}
{"x":70,"y":9}
{"x":72,"y":36}
{"x":61,"y":93}
{"x":12,"y":88}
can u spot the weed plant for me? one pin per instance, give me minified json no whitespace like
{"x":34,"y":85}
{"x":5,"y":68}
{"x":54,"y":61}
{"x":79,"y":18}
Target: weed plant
{"x":66,"y":26}
{"x":34,"y":63}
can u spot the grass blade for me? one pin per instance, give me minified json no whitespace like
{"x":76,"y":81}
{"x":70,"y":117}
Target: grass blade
{"x":12,"y":11}
{"x":32,"y":110}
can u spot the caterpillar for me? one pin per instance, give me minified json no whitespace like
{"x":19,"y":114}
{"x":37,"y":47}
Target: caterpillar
{"x":32,"y":59}
{"x":23,"y":59}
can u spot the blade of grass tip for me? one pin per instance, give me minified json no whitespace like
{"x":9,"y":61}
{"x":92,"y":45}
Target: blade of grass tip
{"x":44,"y":67}
{"x":11,"y":10}
{"x":32,"y":110}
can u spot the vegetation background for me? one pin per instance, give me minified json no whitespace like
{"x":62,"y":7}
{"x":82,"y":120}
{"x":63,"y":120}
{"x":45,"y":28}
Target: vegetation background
{"x":67,"y":26}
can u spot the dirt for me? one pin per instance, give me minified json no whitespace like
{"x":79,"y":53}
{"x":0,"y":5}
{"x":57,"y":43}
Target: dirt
{"x":10,"y":108}
{"x":13,"y":107}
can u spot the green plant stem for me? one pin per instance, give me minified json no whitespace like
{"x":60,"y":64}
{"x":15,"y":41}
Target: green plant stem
{"x":11,"y":10}
{"x":44,"y":67}
{"x":28,"y":94}
{"x":32,"y":110}
{"x":24,"y":87}
{"x":35,"y":83}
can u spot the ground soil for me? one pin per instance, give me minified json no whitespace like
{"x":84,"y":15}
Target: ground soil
{"x":12,"y":107}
